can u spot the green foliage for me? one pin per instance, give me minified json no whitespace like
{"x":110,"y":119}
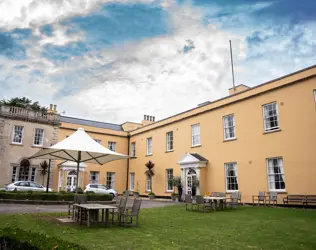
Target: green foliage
{"x":51,"y":196}
{"x":174,"y":194}
{"x":150,"y":172}
{"x":151,"y":193}
{"x":15,"y":238}
{"x":90,"y":192}
{"x":23,"y":102}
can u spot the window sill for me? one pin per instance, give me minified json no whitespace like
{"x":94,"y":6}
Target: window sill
{"x":133,"y":157}
{"x":271,"y":131}
{"x":196,"y":146}
{"x":230,"y":139}
{"x":37,"y":146}
{"x":149,"y":155}
{"x":16,"y":144}
{"x":168,"y":191}
{"x":278,"y":191}
{"x":169,"y":151}
{"x":231,"y":191}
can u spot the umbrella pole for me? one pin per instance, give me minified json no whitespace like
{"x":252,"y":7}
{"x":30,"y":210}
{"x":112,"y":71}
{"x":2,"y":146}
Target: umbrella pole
{"x":78,"y":162}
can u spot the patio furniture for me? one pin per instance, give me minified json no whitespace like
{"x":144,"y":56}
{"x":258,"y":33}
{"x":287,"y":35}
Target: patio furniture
{"x":126,"y":193}
{"x":233,"y":200}
{"x":273,"y":197}
{"x":129,"y":214}
{"x":215,"y":201}
{"x":188,"y":201}
{"x":92,"y":211}
{"x":259,"y":198}
{"x":78,"y":199}
{"x":239,"y":197}
{"x":119,"y":210}
{"x":201,"y":203}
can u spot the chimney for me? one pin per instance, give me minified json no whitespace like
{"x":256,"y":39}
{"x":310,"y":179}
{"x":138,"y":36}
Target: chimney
{"x":148,"y":120}
{"x":55,"y":106}
{"x":238,"y":89}
{"x":50,"y":106}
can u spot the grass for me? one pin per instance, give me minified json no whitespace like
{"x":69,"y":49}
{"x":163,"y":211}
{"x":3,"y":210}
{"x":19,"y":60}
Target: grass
{"x":174,"y":228}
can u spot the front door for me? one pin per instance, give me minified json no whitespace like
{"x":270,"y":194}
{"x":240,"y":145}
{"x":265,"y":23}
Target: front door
{"x":71,"y":180}
{"x":191,"y":175}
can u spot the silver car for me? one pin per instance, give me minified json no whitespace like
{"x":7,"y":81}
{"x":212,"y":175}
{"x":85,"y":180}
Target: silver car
{"x":26,"y":186}
{"x":100,"y":189}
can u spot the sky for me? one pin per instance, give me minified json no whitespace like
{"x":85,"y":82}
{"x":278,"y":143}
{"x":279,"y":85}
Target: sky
{"x":116,"y":60}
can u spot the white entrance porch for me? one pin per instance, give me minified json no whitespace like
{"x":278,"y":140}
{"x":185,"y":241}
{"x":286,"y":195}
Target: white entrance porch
{"x":68,"y":175}
{"x":191,"y":165}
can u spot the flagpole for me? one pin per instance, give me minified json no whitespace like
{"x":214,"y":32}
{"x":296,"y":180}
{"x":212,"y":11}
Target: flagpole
{"x":232,"y":63}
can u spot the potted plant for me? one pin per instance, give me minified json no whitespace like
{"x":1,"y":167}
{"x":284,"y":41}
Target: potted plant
{"x":174,"y":196}
{"x":136,"y":194}
{"x":43,"y":170}
{"x":150,"y":173}
{"x":151,"y":195}
{"x":195,"y":184}
{"x":177,"y":183}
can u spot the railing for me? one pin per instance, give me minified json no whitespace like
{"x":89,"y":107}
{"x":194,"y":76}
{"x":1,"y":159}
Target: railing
{"x":26,"y":114}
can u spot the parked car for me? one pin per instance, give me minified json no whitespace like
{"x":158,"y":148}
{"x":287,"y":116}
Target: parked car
{"x":26,"y":186}
{"x":100,"y":189}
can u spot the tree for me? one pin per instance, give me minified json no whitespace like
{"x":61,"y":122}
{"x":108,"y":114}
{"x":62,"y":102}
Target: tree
{"x":43,"y":170}
{"x":23,"y":102}
{"x":150,"y":172}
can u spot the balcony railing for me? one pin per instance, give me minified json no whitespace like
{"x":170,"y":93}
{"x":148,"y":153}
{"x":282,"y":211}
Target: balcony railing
{"x":30,"y":115}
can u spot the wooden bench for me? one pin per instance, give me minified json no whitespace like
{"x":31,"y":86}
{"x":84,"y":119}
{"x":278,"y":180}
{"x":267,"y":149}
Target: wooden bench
{"x":302,"y":199}
{"x":310,"y":199}
{"x":294,"y":198}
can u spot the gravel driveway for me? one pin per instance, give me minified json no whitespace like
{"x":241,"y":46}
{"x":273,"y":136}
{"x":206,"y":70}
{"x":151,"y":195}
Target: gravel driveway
{"x":23,"y":208}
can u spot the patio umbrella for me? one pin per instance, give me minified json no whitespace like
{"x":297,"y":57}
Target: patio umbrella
{"x":79,"y":147}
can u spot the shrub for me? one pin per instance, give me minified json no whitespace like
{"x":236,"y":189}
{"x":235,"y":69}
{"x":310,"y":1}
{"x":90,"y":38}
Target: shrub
{"x":90,"y":192}
{"x":15,"y":238}
{"x":51,"y":196}
{"x":151,"y":193}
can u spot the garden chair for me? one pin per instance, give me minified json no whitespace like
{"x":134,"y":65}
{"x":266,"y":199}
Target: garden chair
{"x":129,"y":214}
{"x":188,"y":201}
{"x":233,"y":200}
{"x":126,"y":193}
{"x":119,"y":210}
{"x":200,"y":203}
{"x":259,"y":198}
{"x":213,"y":194}
{"x":273,"y":197}
{"x":78,"y":199}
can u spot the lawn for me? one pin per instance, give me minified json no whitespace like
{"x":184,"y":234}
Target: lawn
{"x":174,"y":228}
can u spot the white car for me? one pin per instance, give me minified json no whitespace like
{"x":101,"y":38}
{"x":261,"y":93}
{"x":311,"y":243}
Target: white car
{"x":26,"y":186}
{"x":100,"y":189}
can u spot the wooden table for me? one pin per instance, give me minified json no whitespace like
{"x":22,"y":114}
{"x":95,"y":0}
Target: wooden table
{"x":215,"y":199}
{"x":92,"y":211}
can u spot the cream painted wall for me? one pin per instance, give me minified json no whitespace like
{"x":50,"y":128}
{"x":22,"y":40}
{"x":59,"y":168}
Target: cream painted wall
{"x":12,"y":154}
{"x":296,"y":143}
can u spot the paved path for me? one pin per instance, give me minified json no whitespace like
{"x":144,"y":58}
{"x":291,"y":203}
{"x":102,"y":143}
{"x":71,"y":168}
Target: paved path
{"x":23,"y":208}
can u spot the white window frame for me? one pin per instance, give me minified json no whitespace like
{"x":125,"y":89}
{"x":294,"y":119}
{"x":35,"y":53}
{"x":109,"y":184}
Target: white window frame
{"x":148,"y":182}
{"x":112,"y":146}
{"x":97,"y":177}
{"x":267,"y":117}
{"x":110,"y":177}
{"x":32,"y":174}
{"x":169,"y":176}
{"x":15,"y":174}
{"x":149,"y":146}
{"x":228,"y":127}
{"x":13,"y":134}
{"x":169,"y":141}
{"x":195,"y":135}
{"x":133,"y":149}
{"x":227,"y":177}
{"x":36,"y":134}
{"x":272,"y":175}
{"x":131,"y":181}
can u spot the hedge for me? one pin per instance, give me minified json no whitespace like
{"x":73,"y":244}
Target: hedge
{"x":15,"y":238}
{"x":51,"y":196}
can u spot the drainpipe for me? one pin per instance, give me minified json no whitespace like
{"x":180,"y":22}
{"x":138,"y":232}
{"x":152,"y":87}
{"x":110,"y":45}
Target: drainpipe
{"x":127,"y":171}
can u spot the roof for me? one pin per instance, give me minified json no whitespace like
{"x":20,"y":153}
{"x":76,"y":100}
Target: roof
{"x":240,"y":85}
{"x":199,"y":157}
{"x":90,"y":123}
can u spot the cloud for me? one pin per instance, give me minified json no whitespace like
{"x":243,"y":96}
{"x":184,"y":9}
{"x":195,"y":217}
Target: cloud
{"x":161,"y":73}
{"x":35,"y":13}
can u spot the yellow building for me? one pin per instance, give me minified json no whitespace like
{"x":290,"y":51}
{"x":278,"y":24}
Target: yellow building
{"x":256,"y":139}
